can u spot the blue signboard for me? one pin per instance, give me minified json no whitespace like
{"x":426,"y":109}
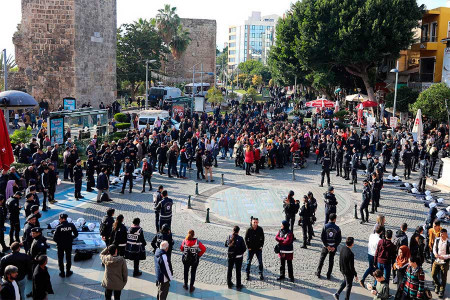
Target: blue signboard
{"x":57,"y":131}
{"x":70,"y":103}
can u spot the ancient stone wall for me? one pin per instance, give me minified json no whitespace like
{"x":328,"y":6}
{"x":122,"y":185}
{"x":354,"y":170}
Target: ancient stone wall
{"x":202,"y":49}
{"x":67,"y":48}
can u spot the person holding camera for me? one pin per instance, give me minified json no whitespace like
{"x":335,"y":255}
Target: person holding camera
{"x":116,"y":272}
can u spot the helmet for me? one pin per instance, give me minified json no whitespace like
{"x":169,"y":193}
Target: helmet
{"x":390,"y":177}
{"x":69,"y":220}
{"x":440,"y":200}
{"x":414,"y":190}
{"x":429,"y":198}
{"x":54,"y":224}
{"x":428,"y":193}
{"x":77,"y":224}
{"x":82,"y":221}
{"x":165,"y":228}
{"x":396,"y":178}
{"x":407,"y":184}
{"x":91,"y":226}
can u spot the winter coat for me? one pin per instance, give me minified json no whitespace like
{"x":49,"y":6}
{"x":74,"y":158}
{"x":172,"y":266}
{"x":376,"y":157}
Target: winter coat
{"x":249,"y":157}
{"x":116,"y":272}
{"x":285,"y":240}
{"x":385,"y":253}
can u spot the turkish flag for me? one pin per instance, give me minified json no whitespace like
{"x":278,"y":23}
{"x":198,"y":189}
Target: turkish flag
{"x":6,"y":153}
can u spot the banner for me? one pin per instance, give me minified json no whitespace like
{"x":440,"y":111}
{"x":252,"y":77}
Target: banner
{"x":446,"y":67}
{"x":418,"y":126}
{"x":178,"y":110}
{"x":57,"y":131}
{"x":370,"y":123}
{"x":70,"y":103}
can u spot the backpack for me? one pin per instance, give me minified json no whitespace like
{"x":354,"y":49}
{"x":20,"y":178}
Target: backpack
{"x":190,"y":254}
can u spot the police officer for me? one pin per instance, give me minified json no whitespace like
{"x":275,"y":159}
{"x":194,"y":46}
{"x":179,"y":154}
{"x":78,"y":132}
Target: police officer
{"x":107,"y":160}
{"x":326,"y":164}
{"x":347,"y":160}
{"x":165,"y":208}
{"x":2,"y":224}
{"x":118,"y":159}
{"x":376,"y":192}
{"x":331,"y":238}
{"x":443,"y":153}
{"x":291,"y":207}
{"x":423,"y":167}
{"x":370,"y":166}
{"x":52,"y":180}
{"x":29,"y":202}
{"x":14,"y":212}
{"x":306,"y":214}
{"x":38,"y":245}
{"x":339,"y":158}
{"x":45,"y":179}
{"x":365,"y":201}
{"x":26,"y":238}
{"x":107,"y":225}
{"x":163,"y":235}
{"x":386,"y":153}
{"x":407,"y":161}
{"x":396,"y":158}
{"x":364,"y":145}
{"x":355,"y":164}
{"x":128,"y":169}
{"x":330,"y":203}
{"x":78,"y":177}
{"x":157,"y":197}
{"x":90,"y":171}
{"x":415,"y":156}
{"x":64,"y":234}
{"x":135,"y":248}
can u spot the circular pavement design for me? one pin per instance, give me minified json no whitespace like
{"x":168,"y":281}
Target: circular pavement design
{"x":236,"y":204}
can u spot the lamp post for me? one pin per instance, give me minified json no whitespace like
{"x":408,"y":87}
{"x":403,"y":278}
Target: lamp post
{"x":396,"y":84}
{"x":146,"y":80}
{"x":5,"y":70}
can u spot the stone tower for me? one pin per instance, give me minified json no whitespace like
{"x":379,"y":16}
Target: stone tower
{"x":67,"y":48}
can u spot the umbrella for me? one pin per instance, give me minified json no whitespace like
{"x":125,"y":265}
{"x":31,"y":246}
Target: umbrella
{"x":369,"y":103}
{"x":320,"y":103}
{"x":360,"y":114}
{"x":6,"y":154}
{"x":16,"y":99}
{"x":356,"y":97}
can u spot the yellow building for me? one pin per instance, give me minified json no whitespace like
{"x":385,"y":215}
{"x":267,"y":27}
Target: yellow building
{"x":435,"y":27}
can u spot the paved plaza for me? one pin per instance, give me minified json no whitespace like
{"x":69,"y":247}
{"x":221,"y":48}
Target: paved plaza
{"x":232,"y":203}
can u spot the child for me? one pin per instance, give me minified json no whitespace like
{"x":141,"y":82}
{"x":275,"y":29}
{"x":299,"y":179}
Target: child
{"x":381,"y":291}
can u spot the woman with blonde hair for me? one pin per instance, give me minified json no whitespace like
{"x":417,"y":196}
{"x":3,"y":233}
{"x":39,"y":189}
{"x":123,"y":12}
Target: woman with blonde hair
{"x":192,"y":250}
{"x":381,"y":220}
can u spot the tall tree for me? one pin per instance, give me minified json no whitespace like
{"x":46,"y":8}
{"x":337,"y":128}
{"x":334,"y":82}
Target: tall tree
{"x":136,"y":43}
{"x":354,"y":34}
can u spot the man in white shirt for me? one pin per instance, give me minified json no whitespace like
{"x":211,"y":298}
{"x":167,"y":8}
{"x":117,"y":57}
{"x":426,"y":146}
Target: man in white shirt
{"x":374,"y":238}
{"x":9,"y":288}
{"x":163,"y":270}
{"x":441,"y":251}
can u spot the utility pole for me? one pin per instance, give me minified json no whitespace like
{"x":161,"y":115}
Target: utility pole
{"x":146,"y":84}
{"x":5,"y":70}
{"x":201,"y":79}
{"x":193,"y":83}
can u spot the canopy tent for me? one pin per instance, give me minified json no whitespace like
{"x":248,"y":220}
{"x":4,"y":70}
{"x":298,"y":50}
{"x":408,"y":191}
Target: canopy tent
{"x":356,"y":98}
{"x":369,"y":103}
{"x":320,"y":103}
{"x":16,"y":99}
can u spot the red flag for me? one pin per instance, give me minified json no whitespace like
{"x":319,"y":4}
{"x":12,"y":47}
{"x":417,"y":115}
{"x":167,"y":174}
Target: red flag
{"x":6,"y":153}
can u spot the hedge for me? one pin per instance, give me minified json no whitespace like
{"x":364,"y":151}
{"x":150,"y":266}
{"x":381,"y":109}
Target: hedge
{"x":121,"y":118}
{"x":123,"y":125}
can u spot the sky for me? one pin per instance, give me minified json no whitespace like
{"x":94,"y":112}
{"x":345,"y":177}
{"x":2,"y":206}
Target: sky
{"x":226,"y":13}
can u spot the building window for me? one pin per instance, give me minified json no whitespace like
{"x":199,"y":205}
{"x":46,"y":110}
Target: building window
{"x":231,"y":60}
{"x":253,"y":27}
{"x":232,"y":37}
{"x":253,"y":35}
{"x":232,"y":45}
{"x":268,"y":44}
{"x":261,"y":27}
{"x":253,"y":43}
{"x":260,"y":43}
{"x":232,"y":52}
{"x":425,"y":32}
{"x":245,"y":26}
{"x":433,"y":32}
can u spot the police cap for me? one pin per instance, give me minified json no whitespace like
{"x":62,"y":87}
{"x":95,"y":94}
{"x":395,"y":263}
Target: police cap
{"x":29,"y":195}
{"x":63,"y":216}
{"x":91,"y":156}
{"x":78,"y":160}
{"x":32,"y":216}
{"x":36,"y":229}
{"x":127,"y":157}
{"x":330,"y":188}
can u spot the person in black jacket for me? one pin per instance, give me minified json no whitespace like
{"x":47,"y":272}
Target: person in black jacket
{"x":21,"y":261}
{"x":163,"y":235}
{"x":423,"y":167}
{"x":106,"y":226}
{"x":3,"y":212}
{"x":347,"y":160}
{"x":306,"y":215}
{"x":339,"y":159}
{"x":135,"y":248}
{"x":331,"y":238}
{"x":119,"y":235}
{"x":128,"y":169}
{"x":291,"y":207}
{"x":236,"y":250}
{"x":102,"y":185}
{"x":326,"y":164}
{"x":52,"y":181}
{"x":365,"y":201}
{"x":42,"y":285}
{"x":376,"y":192}
{"x":396,"y":158}
{"x":26,"y":238}
{"x":347,"y":266}
{"x":14,"y":212}
{"x":355,"y":166}
{"x":254,"y":239}
{"x":330,"y":203}
{"x":407,"y":156}
{"x":64,"y":235}
{"x":8,"y":292}
{"x":78,"y":178}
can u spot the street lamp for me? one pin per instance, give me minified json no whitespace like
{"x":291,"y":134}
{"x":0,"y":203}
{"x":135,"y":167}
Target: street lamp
{"x":396,"y":84}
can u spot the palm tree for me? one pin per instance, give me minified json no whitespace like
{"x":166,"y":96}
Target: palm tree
{"x":10,"y":62}
{"x":167,"y":22}
{"x":179,"y":42}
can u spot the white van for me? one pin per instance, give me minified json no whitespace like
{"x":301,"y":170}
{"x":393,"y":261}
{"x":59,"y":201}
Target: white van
{"x":150,"y":116}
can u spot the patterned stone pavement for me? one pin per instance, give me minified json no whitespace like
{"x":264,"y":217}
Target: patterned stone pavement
{"x":233,"y":203}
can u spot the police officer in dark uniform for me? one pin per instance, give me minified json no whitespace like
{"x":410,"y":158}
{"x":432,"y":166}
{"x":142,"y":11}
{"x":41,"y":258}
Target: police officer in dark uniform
{"x":90,"y":171}
{"x":2,"y":224}
{"x":347,"y":160}
{"x":118,"y":159}
{"x":386,"y":153}
{"x":370,"y":166}
{"x":443,"y":153}
{"x":376,"y":192}
{"x":407,"y":161}
{"x":306,"y":215}
{"x":14,"y":212}
{"x":326,"y":164}
{"x":107,"y":160}
{"x":355,"y":164}
{"x":107,"y":225}
{"x":163,"y":235}
{"x":38,"y":247}
{"x":423,"y":167}
{"x":330,"y":203}
{"x":165,"y":208}
{"x":331,"y":238}
{"x":26,"y":238}
{"x":78,"y":178}
{"x":396,"y":158}
{"x":365,"y":201}
{"x":157,"y":197}
{"x":364,"y":145}
{"x":291,"y":207}
{"x":128,"y":169}
{"x":415,"y":156}
{"x":64,"y":234}
{"x":339,"y":158}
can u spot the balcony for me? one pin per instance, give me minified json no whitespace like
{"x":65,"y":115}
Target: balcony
{"x":421,"y":77}
{"x":425,"y":46}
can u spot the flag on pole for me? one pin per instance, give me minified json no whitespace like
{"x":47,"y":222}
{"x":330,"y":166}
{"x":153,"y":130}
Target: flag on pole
{"x":418,"y":126}
{"x":360,"y":115}
{"x":6,"y":153}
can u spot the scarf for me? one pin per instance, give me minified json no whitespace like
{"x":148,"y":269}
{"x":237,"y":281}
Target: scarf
{"x":403,"y":258}
{"x":9,"y":189}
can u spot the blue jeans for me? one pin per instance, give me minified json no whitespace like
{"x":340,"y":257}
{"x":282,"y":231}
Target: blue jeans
{"x":386,"y":268}
{"x":251,"y":253}
{"x":231,"y":151}
{"x":183,"y":167}
{"x":224,"y":153}
{"x":370,"y":269}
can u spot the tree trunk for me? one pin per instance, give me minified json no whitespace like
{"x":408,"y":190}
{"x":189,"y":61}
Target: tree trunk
{"x":361,"y":71}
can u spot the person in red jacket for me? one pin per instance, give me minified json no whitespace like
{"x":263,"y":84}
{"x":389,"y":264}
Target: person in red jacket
{"x":257,"y":156}
{"x":285,"y":239}
{"x":249,"y":159}
{"x":385,"y":255}
{"x":192,"y":250}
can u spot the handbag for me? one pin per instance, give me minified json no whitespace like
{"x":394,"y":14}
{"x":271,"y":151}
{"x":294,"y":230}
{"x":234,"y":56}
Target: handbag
{"x":276,"y":249}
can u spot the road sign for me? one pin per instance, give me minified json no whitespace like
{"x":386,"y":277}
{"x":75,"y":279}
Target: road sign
{"x":393,"y":122}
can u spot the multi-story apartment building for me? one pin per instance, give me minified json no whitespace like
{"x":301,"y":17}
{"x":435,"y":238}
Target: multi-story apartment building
{"x":252,"y":40}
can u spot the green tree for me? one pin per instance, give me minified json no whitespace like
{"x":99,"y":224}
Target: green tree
{"x":10,"y":67}
{"x":251,"y":94}
{"x":21,"y":135}
{"x":222,"y":61}
{"x":352,"y":34}
{"x":432,"y":102}
{"x":214,"y":95}
{"x":257,"y":80}
{"x":232,"y":96}
{"x":251,"y":67}
{"x":136,"y":43}
{"x":405,"y":97}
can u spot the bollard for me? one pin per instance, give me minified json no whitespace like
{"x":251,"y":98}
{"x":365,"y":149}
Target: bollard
{"x":196,"y":188}
{"x":189,"y":202}
{"x":293,"y":174}
{"x":223,"y":182}
{"x":356,"y":211}
{"x":207,"y":215}
{"x":354,"y":187}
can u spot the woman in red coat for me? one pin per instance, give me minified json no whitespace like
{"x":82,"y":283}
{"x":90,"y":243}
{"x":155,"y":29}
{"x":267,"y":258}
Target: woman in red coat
{"x":285,"y":240}
{"x":249,"y":159}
